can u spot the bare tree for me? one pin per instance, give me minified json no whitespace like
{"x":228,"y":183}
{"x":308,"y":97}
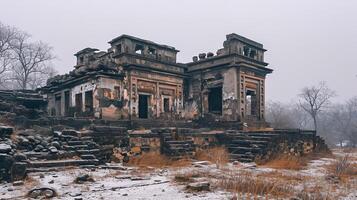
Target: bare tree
{"x":352,"y":113}
{"x":278,"y":114}
{"x":31,"y":60}
{"x":314,"y":99}
{"x":7,"y":36}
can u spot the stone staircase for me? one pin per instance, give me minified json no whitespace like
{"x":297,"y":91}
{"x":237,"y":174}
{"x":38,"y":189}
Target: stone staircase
{"x":245,"y":147}
{"x":174,"y":147}
{"x":76,"y":150}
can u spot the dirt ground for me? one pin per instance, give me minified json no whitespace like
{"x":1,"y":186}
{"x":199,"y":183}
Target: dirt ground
{"x":326,"y":177}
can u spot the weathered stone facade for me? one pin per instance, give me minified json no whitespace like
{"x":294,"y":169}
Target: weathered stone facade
{"x":137,"y":79}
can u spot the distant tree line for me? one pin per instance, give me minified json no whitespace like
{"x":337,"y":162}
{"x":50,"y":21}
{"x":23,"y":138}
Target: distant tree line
{"x":24,"y":64}
{"x":336,"y":122}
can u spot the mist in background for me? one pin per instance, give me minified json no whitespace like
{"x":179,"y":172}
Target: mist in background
{"x":307,"y":41}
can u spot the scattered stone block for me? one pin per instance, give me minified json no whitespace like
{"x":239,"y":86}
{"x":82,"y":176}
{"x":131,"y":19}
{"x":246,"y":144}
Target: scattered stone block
{"x":200,"y":186}
{"x":83,"y":178}
{"x":18,"y":171}
{"x":17,"y":183}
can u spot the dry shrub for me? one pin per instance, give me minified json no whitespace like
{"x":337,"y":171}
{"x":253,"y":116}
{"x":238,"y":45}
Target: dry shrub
{"x":288,"y":162}
{"x":343,"y":167}
{"x":313,"y":193}
{"x":216,"y":155}
{"x":155,"y":159}
{"x":117,"y":155}
{"x":245,"y":183}
{"x":349,"y":150}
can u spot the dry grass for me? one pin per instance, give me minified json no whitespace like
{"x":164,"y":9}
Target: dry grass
{"x":30,"y":182}
{"x":343,"y":168}
{"x":349,"y":150}
{"x":216,"y":155}
{"x":287,"y":162}
{"x":157,"y":160}
{"x":314,"y":193}
{"x":284,"y":177}
{"x":245,"y":183}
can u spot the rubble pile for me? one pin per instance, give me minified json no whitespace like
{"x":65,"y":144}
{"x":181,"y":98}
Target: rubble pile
{"x":12,"y":164}
{"x":62,"y":148}
{"x":17,"y":107}
{"x":42,"y":147}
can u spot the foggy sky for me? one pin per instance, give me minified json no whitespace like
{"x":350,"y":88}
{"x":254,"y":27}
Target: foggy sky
{"x":308,"y":41}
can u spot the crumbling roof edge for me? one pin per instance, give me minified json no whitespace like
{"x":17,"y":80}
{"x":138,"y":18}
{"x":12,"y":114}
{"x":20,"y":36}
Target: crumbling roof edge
{"x":223,"y":56}
{"x":233,"y":36}
{"x":79,"y":79}
{"x":85,"y":50}
{"x":147,"y":68}
{"x":182,"y":65}
{"x":143,"y":41}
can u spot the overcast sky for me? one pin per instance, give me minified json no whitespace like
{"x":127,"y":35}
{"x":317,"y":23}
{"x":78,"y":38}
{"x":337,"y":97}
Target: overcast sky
{"x":308,"y":41}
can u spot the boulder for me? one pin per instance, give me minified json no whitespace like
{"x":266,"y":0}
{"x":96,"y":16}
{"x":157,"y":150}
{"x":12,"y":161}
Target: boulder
{"x":38,"y":148}
{"x":5,"y":148}
{"x":83,"y":178}
{"x":42,"y":193}
{"x":5,"y":131}
{"x":53,"y":150}
{"x":20,"y":157}
{"x":18,"y":171}
{"x":56,"y":144}
{"x":200,"y":186}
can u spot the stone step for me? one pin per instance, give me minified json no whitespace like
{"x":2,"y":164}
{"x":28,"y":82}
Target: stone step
{"x":108,"y":130}
{"x":235,"y":141}
{"x":180,"y":154}
{"x":246,"y":137}
{"x":76,"y":142}
{"x":70,"y":132}
{"x":88,"y":151}
{"x":86,"y":138}
{"x":180,"y":149}
{"x":238,"y":156}
{"x":243,"y":160}
{"x":75,"y":147}
{"x":248,"y":145}
{"x":179,"y":145}
{"x":243,"y":150}
{"x":62,"y":163}
{"x":179,"y":142}
{"x":88,"y":157}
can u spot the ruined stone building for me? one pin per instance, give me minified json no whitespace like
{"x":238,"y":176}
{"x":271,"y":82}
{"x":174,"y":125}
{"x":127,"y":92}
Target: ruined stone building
{"x":140,"y":79}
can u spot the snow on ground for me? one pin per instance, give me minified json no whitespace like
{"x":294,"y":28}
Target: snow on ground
{"x":134,"y":183}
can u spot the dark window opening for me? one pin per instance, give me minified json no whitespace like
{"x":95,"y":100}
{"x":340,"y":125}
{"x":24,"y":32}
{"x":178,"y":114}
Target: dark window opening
{"x":251,"y":103}
{"x":166,"y":105}
{"x":245,"y":51}
{"x":79,"y":102}
{"x":117,"y":92}
{"x":215,"y":100}
{"x":139,"y":49}
{"x":81,"y":59}
{"x":58,"y":105}
{"x":88,"y":101}
{"x":152,"y":51}
{"x":252,"y":53}
{"x":143,"y":106}
{"x":118,"y":48}
{"x":66,"y":103}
